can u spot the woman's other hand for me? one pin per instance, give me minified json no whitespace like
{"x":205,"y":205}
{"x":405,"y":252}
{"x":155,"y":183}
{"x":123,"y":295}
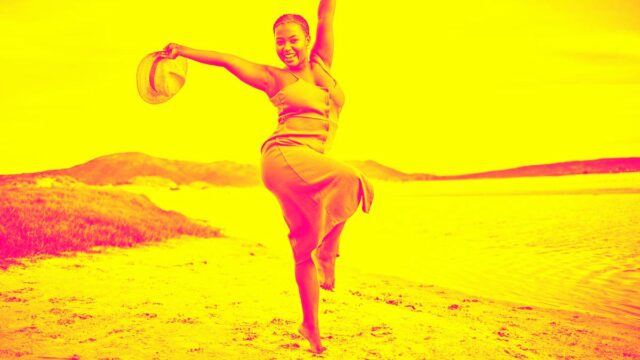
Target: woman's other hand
{"x":173,"y":50}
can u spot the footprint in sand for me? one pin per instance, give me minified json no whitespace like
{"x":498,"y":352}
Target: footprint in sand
{"x":503,"y":334}
{"x":150,"y":303}
{"x":147,"y":315}
{"x":65,"y":321}
{"x":14,"y":299}
{"x":71,"y":319}
{"x":515,"y":354}
{"x":247,"y":332}
{"x":414,"y":307}
{"x":81,"y":316}
{"x":117,"y":331}
{"x":29,"y":330}
{"x":470,"y":300}
{"x":383,"y":330}
{"x":278,"y":321}
{"x":390,"y":299}
{"x":22,"y":290}
{"x":182,"y":320}
{"x":58,"y":311}
{"x":87,"y":300}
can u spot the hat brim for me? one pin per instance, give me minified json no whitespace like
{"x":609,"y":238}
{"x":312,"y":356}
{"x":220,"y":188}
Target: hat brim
{"x":146,"y":73}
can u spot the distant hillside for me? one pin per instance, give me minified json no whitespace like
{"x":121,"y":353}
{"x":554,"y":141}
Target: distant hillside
{"x":130,"y":168}
{"x":378,"y":171}
{"x":124,"y":168}
{"x":139,"y":168}
{"x":599,"y":166}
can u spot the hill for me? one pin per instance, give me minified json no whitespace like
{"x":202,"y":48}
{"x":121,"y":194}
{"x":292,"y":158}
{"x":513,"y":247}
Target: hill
{"x":134,"y":167}
{"x":126,"y":168}
{"x":599,"y":166}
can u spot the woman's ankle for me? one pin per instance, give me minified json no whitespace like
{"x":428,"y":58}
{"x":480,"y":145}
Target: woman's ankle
{"x":310,"y":327}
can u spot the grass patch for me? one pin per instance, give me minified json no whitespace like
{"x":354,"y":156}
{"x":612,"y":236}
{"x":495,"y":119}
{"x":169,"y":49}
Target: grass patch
{"x":76,"y":217}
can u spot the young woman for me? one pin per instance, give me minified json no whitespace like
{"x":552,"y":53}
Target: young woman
{"x":317,"y":193}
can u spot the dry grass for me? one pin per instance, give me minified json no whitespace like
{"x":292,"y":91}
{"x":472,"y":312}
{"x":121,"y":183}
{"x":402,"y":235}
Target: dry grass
{"x":69,"y":216}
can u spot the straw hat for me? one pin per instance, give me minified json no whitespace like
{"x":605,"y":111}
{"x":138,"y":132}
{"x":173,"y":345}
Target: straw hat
{"x":159,"y":77}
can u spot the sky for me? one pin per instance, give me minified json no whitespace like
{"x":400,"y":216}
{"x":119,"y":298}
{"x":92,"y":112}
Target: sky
{"x":435,"y":87}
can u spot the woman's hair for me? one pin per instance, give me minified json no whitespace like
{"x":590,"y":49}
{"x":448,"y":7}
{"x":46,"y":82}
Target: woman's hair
{"x":292,"y":18}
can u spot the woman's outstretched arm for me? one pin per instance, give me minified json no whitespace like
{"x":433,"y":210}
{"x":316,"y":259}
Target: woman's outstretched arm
{"x":257,"y":75}
{"x":323,"y":46}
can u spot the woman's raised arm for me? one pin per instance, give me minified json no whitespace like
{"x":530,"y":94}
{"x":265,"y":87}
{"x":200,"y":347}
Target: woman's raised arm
{"x":257,"y":75}
{"x":323,"y":46}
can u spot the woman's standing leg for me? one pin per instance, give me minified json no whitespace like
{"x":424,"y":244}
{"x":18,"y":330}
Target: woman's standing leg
{"x":306,"y":277}
{"x":325,"y":257}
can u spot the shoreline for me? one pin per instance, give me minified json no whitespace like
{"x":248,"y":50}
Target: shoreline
{"x":236,"y":298}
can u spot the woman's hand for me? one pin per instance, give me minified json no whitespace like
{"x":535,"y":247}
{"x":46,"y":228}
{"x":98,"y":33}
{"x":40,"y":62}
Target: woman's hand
{"x":173,"y":50}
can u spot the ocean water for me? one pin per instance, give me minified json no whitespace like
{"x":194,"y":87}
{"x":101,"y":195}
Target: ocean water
{"x":570,"y":242}
{"x":560,"y":242}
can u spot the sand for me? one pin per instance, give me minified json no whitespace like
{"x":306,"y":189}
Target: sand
{"x":233,"y":298}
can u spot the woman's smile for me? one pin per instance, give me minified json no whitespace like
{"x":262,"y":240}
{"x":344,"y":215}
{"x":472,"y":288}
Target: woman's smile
{"x":291,"y":43}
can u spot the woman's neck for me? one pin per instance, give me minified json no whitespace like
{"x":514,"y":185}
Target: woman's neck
{"x":301,"y":68}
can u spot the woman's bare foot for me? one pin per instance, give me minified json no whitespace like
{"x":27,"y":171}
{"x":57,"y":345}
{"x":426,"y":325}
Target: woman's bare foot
{"x":313,"y":336}
{"x":326,"y":271}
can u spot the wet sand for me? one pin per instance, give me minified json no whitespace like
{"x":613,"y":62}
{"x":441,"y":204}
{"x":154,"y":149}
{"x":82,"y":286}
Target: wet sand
{"x":236,"y":298}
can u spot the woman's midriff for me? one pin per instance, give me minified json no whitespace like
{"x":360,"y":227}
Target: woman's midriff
{"x":315,"y":133}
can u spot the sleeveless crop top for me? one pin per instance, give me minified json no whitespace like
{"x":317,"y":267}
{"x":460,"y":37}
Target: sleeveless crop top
{"x":307,"y":113}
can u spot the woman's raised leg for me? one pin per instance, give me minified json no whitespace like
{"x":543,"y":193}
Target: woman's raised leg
{"x":325,"y":257}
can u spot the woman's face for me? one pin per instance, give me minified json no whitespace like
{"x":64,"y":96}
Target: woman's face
{"x":291,"y":44}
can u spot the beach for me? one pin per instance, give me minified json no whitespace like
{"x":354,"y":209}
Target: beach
{"x":236,"y":297}
{"x":228,"y":298}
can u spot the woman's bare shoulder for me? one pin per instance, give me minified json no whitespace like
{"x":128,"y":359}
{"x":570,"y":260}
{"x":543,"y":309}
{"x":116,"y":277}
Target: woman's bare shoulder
{"x":279,"y":78}
{"x":277,"y":74}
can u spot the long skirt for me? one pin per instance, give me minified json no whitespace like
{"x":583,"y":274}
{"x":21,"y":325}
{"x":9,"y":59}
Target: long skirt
{"x":315,"y":191}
